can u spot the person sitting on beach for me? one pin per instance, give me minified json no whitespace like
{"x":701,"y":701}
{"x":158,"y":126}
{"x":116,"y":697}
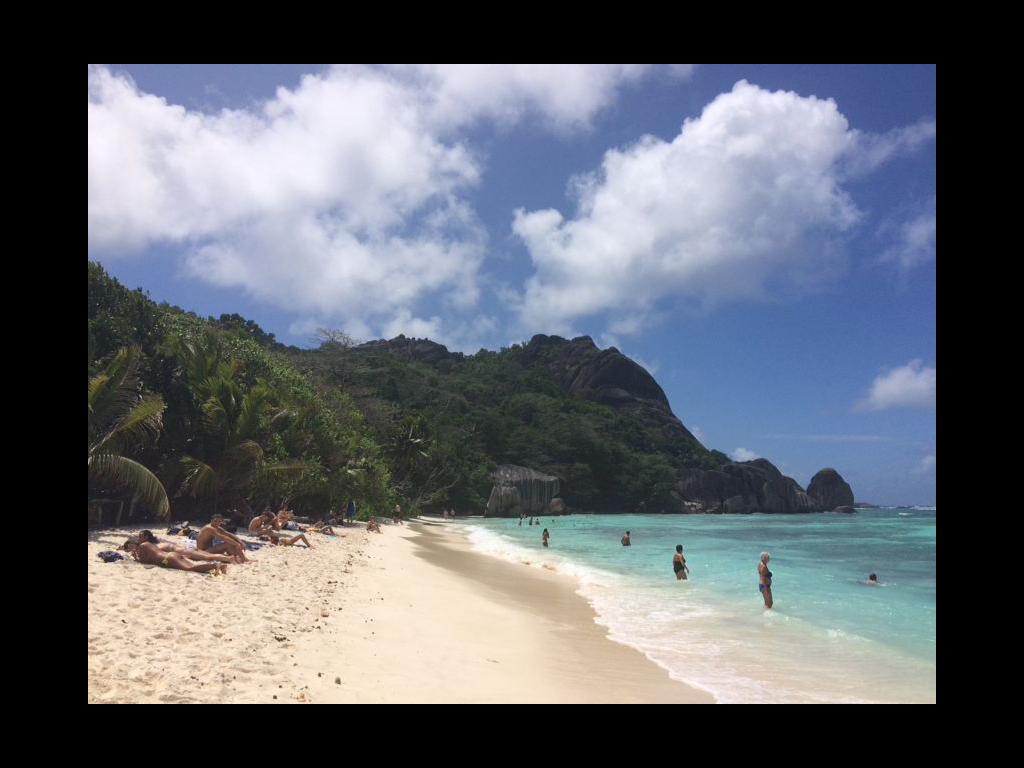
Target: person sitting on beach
{"x":765,"y":579}
{"x":149,"y":554}
{"x":284,"y":522}
{"x":263,"y":526}
{"x":166,"y":546}
{"x":625,"y":540}
{"x":873,"y":580}
{"x":373,"y":525}
{"x":679,"y":563}
{"x":545,"y":536}
{"x":215,"y":540}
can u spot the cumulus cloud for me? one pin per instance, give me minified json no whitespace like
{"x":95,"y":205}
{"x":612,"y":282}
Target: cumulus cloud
{"x":910,"y":386}
{"x":742,"y":454}
{"x":565,"y":96}
{"x":343,"y":198}
{"x":746,"y":202}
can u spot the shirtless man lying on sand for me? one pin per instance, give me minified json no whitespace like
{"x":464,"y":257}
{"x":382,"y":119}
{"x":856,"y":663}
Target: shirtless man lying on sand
{"x":215,"y":540}
{"x":147,"y":537}
{"x":148,"y":553}
{"x":263,"y":526}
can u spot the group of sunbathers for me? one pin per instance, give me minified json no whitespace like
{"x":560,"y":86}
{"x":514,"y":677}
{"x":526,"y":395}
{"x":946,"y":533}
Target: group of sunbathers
{"x":215,"y":547}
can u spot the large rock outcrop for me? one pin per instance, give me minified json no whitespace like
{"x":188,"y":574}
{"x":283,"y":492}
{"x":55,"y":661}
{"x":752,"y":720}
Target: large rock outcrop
{"x":521,"y":490}
{"x":740,"y":487}
{"x":828,"y":490}
{"x":608,"y":377}
{"x":420,"y":350}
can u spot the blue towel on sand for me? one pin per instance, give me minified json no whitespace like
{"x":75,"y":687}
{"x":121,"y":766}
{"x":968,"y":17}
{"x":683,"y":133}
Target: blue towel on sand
{"x":110,"y":556}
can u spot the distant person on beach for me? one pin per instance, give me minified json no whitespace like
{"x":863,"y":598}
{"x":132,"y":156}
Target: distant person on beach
{"x":625,"y":540}
{"x":147,"y":537}
{"x":263,"y":526}
{"x":679,"y":563}
{"x":397,"y":517}
{"x":765,"y":579}
{"x":350,"y":513}
{"x":149,"y":554}
{"x":373,"y":525}
{"x":545,"y":536}
{"x":215,"y":540}
{"x":873,"y":580}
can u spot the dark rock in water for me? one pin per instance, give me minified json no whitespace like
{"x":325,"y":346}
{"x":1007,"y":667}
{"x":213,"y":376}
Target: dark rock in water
{"x":828,"y":490}
{"x":740,"y":487}
{"x":521,"y":491}
{"x":845,"y":510}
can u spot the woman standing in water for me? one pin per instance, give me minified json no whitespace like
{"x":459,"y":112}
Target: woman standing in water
{"x":545,"y":537}
{"x":765,"y":579}
{"x":679,"y":563}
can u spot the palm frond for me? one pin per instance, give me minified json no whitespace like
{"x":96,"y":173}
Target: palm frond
{"x":114,"y":390}
{"x":122,"y":472}
{"x":198,"y":478}
{"x":138,"y":426}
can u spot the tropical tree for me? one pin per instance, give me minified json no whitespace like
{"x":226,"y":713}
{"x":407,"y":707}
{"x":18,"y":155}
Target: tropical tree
{"x":230,"y":460}
{"x":123,"y":419}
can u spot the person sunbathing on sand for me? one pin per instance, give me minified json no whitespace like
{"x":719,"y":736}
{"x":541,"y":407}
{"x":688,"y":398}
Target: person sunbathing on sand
{"x":149,"y":554}
{"x":167,"y":546}
{"x":263,"y":526}
{"x":215,"y":540}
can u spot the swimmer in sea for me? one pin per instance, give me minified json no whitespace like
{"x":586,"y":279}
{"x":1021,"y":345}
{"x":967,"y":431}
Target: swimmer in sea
{"x":764,"y":577}
{"x":679,"y":563}
{"x":545,"y":536}
{"x":873,"y":580}
{"x":625,"y":540}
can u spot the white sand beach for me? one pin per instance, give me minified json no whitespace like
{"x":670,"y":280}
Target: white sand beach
{"x":409,"y":615}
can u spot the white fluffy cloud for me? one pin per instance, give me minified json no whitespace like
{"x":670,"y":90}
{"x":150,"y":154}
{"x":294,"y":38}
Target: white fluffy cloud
{"x":910,"y":386}
{"x":742,"y":454}
{"x":565,"y":96}
{"x":343,"y":198}
{"x":746,"y":201}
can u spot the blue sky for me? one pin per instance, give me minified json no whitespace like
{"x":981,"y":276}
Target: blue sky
{"x":762,"y":238}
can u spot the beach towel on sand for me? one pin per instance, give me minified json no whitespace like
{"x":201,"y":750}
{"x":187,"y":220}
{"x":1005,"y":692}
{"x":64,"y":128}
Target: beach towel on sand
{"x":110,"y":556}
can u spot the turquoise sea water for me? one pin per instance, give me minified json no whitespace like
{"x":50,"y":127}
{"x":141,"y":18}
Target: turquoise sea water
{"x":829,"y":637}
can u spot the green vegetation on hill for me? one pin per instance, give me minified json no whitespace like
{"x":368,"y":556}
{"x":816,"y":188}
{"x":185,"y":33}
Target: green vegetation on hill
{"x":249,"y":422}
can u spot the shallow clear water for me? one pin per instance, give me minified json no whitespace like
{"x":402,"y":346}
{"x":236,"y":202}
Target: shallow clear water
{"x":829,"y":637}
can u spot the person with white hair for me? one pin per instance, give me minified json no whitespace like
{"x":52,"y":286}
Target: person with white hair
{"x":765,"y":579}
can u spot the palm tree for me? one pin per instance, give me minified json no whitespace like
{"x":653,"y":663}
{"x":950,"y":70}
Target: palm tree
{"x":231,"y":419}
{"x":122,"y":419}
